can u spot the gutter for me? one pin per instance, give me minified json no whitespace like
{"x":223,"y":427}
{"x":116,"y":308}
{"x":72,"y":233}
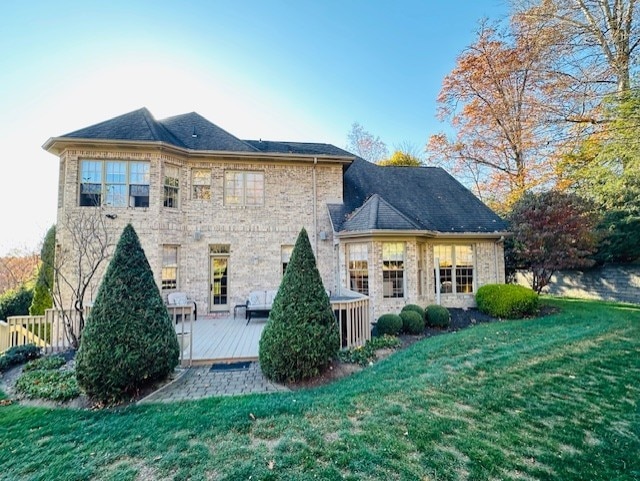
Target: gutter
{"x":315,"y":206}
{"x":420,"y":233}
{"x":56,"y":145}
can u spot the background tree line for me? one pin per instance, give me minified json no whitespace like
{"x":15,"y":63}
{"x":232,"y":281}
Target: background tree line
{"x":543,"y":110}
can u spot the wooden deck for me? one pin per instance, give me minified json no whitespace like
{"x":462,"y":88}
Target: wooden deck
{"x":222,"y":339}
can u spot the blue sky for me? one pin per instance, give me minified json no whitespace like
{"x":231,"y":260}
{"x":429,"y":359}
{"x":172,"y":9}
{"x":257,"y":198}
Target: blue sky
{"x":277,"y":70}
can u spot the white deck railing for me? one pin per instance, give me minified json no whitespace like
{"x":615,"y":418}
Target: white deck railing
{"x":46,"y":332}
{"x":352,"y":314}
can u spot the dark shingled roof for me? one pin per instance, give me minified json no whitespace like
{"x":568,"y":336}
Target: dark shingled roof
{"x":193,"y":131}
{"x":427,"y":197}
{"x":136,"y":125}
{"x":376,"y":213}
{"x":197,"y":133}
{"x":306,"y":148}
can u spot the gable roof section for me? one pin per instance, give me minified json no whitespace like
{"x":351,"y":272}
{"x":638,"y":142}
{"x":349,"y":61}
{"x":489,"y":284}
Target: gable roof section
{"x":428,"y":198}
{"x":376,"y":214}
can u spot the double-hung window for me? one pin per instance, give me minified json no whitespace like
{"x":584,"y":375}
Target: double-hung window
{"x":358,"y":268}
{"x":243,"y":188}
{"x":114,"y":183}
{"x":455,"y":268}
{"x":392,"y":269}
{"x":285,"y":256}
{"x":169,"y":267}
{"x":171,"y":186}
{"x":201,"y":184}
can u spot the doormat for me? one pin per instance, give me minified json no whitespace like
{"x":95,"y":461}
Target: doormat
{"x":231,"y":366}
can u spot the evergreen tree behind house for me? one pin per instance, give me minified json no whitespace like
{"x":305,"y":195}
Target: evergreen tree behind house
{"x":129,"y":341}
{"x":301,"y":337}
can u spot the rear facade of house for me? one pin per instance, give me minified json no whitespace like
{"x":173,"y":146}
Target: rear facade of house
{"x":218,"y":216}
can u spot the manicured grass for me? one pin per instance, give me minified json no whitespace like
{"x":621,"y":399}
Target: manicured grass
{"x":551,"y":398}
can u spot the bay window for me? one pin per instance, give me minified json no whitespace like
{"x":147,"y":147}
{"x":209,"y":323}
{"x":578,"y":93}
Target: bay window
{"x":392,"y":269}
{"x":358,"y":267}
{"x":455,"y":265}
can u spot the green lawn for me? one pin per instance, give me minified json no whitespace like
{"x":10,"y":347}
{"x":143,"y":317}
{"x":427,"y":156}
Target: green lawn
{"x":551,"y":398}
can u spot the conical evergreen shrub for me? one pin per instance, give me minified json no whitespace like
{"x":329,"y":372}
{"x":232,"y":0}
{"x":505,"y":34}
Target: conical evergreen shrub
{"x":301,"y":336}
{"x":42,"y":299}
{"x":128,"y":341}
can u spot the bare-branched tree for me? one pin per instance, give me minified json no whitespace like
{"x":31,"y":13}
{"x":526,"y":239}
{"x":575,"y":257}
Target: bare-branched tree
{"x":84,"y":245}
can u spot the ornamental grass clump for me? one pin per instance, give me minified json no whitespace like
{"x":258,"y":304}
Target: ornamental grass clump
{"x":507,"y":301}
{"x":301,"y":337}
{"x":128,"y":342}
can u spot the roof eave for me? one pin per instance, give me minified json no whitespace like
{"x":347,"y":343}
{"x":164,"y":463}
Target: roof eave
{"x":421,"y":233}
{"x":56,"y":145}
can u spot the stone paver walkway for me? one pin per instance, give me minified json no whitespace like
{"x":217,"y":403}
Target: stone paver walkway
{"x":200,"y":382}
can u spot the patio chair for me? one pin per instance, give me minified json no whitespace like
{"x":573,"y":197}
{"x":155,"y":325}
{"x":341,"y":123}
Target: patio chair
{"x":176,"y":303}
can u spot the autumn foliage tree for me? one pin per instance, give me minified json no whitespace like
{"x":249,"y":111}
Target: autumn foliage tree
{"x":400,"y":158}
{"x":493,"y":99}
{"x":551,"y":231}
{"x":366,"y":145}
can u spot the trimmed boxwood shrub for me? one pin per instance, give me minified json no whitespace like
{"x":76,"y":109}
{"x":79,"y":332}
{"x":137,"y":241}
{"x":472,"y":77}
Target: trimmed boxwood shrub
{"x":128,"y":341}
{"x":19,"y":355}
{"x":412,"y":322}
{"x":414,"y":308}
{"x":507,"y":301}
{"x":390,"y":324}
{"x":301,"y":336}
{"x":437,"y":316}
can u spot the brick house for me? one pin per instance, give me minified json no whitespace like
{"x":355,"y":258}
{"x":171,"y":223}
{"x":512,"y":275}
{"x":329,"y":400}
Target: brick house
{"x":217,"y":216}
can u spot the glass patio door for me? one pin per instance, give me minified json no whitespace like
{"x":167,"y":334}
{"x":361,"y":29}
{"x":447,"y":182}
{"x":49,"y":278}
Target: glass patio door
{"x":219,"y":277}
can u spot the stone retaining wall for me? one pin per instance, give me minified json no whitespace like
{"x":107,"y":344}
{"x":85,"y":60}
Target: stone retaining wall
{"x":619,"y":283}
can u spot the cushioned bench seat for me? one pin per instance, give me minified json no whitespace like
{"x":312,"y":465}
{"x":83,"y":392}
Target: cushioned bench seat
{"x":260,"y":302}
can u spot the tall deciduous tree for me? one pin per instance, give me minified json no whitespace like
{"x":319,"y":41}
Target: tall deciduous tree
{"x":86,"y":244}
{"x":606,"y":170}
{"x":494,"y":100}
{"x":365,"y":144}
{"x":551,"y":231}
{"x":400,"y":158}
{"x":595,"y":41}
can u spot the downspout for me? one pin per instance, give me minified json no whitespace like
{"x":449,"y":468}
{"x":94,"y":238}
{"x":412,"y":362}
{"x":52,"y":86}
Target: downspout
{"x":436,"y":262}
{"x":495,"y":256}
{"x":315,"y":208}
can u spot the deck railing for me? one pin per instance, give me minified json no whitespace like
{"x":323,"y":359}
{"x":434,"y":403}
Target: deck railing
{"x":352,"y":315}
{"x":182,"y":317}
{"x":46,"y":332}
